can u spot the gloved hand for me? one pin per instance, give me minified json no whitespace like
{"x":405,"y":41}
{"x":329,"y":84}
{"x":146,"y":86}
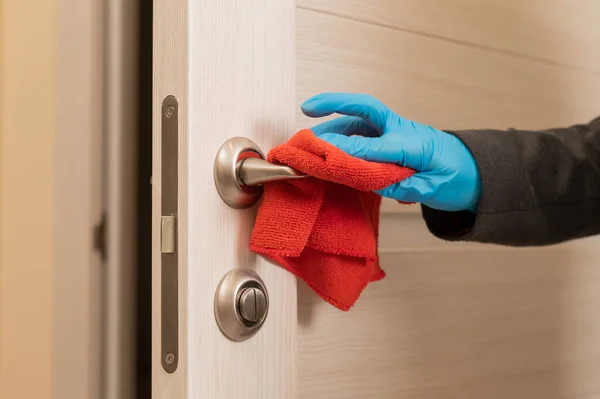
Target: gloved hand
{"x":447,"y":176}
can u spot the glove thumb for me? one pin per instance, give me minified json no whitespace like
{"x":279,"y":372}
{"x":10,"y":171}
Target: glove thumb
{"x":417,"y":188}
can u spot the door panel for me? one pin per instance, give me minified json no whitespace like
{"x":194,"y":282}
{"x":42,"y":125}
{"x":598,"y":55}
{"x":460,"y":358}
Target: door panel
{"x":549,"y":31}
{"x":452,"y":320}
{"x":445,"y":84}
{"x":459,"y":324}
{"x":230,"y":64}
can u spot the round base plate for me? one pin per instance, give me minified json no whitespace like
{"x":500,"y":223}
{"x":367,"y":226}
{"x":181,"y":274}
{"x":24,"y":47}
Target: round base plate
{"x":229,"y":188}
{"x":227,"y":313}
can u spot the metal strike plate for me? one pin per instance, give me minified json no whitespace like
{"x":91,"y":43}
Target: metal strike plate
{"x":169,"y":313}
{"x":241,"y":304}
{"x":168,"y":234}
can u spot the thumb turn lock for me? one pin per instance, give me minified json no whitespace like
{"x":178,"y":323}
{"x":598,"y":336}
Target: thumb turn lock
{"x":241,"y":304}
{"x":239,"y":178}
{"x":252,"y":304}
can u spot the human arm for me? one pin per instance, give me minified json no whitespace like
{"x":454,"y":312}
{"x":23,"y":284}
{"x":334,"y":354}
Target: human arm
{"x":538,"y":187}
{"x":511,"y":187}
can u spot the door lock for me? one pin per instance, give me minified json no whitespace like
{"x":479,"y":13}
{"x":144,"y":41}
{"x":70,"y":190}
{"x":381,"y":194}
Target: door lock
{"x":241,"y":304}
{"x":252,"y":304}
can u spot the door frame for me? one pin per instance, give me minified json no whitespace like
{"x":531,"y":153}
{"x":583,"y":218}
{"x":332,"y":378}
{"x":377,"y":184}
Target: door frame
{"x":121,"y":52}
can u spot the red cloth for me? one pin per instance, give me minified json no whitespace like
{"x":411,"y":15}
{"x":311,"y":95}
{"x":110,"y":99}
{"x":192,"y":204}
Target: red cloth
{"x":324,"y":228}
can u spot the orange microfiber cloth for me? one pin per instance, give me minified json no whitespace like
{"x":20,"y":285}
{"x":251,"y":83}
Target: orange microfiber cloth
{"x":324,"y":228}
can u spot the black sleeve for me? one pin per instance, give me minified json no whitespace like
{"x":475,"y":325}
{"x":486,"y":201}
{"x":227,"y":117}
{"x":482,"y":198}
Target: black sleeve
{"x":538,"y":187}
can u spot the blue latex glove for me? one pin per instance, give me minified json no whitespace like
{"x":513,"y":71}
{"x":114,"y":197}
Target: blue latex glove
{"x":447,"y":176}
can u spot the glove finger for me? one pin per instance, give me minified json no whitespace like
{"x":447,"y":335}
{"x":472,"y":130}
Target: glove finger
{"x":367,"y":107}
{"x":404,"y":150}
{"x":346,"y":125}
{"x":367,"y":148}
{"x":417,"y":188}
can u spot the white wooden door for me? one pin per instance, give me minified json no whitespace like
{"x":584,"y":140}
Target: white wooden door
{"x":225,"y":68}
{"x":449,"y":320}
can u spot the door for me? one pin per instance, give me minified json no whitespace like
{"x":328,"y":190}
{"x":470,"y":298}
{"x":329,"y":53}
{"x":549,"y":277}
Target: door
{"x":221,"y":69}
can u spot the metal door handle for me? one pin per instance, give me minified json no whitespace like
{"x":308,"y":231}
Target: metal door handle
{"x":257,"y":171}
{"x":239,"y":180}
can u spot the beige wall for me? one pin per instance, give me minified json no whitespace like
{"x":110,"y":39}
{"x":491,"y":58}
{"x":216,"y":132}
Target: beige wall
{"x":28,"y":32}
{"x":52,"y":119}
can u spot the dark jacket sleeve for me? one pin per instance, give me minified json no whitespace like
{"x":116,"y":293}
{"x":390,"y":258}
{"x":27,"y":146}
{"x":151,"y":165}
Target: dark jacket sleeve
{"x":538,"y":187}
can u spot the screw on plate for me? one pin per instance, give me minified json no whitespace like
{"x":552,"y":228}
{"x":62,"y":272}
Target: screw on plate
{"x":169,"y":358}
{"x":170,"y":111}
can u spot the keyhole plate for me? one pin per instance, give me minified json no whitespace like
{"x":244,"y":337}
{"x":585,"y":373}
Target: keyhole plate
{"x":238,"y":291}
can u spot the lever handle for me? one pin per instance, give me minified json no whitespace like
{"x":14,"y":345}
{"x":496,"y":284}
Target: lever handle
{"x":239,"y":182}
{"x":256,"y":171}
